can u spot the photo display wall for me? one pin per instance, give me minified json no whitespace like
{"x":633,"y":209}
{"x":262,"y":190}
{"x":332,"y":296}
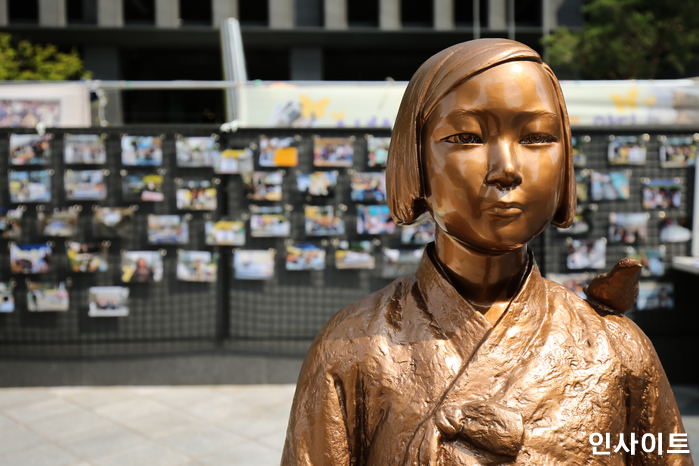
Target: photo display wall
{"x":182,"y":234}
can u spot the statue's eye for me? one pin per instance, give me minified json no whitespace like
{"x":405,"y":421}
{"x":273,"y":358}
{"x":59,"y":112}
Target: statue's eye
{"x":538,"y":138}
{"x":464,"y":138}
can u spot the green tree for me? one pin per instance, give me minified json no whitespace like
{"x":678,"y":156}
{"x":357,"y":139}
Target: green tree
{"x":629,"y":39}
{"x":27,"y":61}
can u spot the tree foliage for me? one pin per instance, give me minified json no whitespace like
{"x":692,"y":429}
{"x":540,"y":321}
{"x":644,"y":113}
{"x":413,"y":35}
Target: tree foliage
{"x":34,"y":62}
{"x":629,"y":39}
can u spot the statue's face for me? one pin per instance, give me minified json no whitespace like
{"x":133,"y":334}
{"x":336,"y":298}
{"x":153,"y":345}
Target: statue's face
{"x":493,"y":157}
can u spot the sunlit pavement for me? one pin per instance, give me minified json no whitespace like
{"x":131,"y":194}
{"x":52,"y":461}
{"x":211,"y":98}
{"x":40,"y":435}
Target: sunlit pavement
{"x":168,"y":426}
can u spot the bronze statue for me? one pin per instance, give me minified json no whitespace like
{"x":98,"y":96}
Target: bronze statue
{"x":476,"y":359}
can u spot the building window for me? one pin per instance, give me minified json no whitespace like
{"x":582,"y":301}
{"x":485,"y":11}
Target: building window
{"x":139,"y":12}
{"x":253,"y":12}
{"x":363,"y":13}
{"x":23,"y":11}
{"x":196,"y":12}
{"x":463,"y":13}
{"x":528,"y":13}
{"x":309,"y":13}
{"x":416,"y":13}
{"x":81,"y":11}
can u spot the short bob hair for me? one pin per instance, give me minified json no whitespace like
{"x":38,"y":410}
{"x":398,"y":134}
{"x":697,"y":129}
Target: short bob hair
{"x":432,"y":81}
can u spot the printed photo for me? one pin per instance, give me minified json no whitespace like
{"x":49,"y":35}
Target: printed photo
{"x":575,"y":282}
{"x":196,"y":195}
{"x":278,"y":152}
{"x":87,"y":257}
{"x":269,"y":221}
{"x":610,"y":186}
{"x":587,"y":254}
{"x":674,"y":231}
{"x":678,"y":152}
{"x":627,"y":150}
{"x":197,"y":266}
{"x":61,"y":223}
{"x":113,"y":222}
{"x":145,"y":187}
{"x":417,"y":233}
{"x":377,"y":148}
{"x":234,"y":161}
{"x":332,"y":152}
{"x":579,"y":157}
{"x":84,"y":149}
{"x":34,"y":186}
{"x":108,"y":301}
{"x":317,"y":184}
{"x":581,"y":225}
{"x":368,"y":187}
{"x":225,"y":233}
{"x":141,"y":266}
{"x":85,"y":185}
{"x":253,"y":264}
{"x":141,"y":151}
{"x":655,"y":295}
{"x":323,"y":220}
{"x":30,"y":149}
{"x":375,"y":220}
{"x":25,"y":113}
{"x":7,"y":297}
{"x":628,"y":228}
{"x":168,"y":229}
{"x":305,"y":256}
{"x":355,"y":255}
{"x":30,"y":258}
{"x":263,"y":186}
{"x":47,"y":297}
{"x":10,"y":223}
{"x":581,"y":186}
{"x":662,"y":194}
{"x":652,"y":260}
{"x":399,"y":262}
{"x":197,"y":151}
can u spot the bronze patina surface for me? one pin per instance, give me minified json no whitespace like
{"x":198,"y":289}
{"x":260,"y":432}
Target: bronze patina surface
{"x":476,"y":359}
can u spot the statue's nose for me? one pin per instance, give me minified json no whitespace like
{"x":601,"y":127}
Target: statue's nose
{"x":503,"y":166}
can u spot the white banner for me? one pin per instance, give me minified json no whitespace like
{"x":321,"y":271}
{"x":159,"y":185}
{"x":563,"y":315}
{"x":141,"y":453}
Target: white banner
{"x":23,"y":105}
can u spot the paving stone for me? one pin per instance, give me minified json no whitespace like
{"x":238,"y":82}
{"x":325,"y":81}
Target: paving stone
{"x":245,"y":455}
{"x":102,"y":442}
{"x":126,"y":410}
{"x":19,"y":439}
{"x":163,"y":424}
{"x":148,"y":454}
{"x":43,"y":409}
{"x":204,"y":441}
{"x":63,"y":427}
{"x":46,"y":455}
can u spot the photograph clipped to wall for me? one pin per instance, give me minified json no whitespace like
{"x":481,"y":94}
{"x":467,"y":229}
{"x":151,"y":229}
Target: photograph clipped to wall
{"x":197,"y":151}
{"x":113,"y":222}
{"x":142,"y":186}
{"x":30,"y":186}
{"x":197,"y":266}
{"x":374,"y":220}
{"x":85,"y":185}
{"x":263,"y":186}
{"x":168,"y":229}
{"x":305,"y":256}
{"x":47,"y":297}
{"x":582,"y":223}
{"x":87,"y":257}
{"x":141,"y":266}
{"x":674,"y":231}
{"x":399,"y":262}
{"x":196,"y":194}
{"x":377,"y":150}
{"x":678,"y":152}
{"x":368,"y":187}
{"x":579,"y":143}
{"x":11,"y":223}
{"x":253,"y":264}
{"x":317,"y":184}
{"x":108,"y":301}
{"x":7,"y":297}
{"x":627,"y":150}
{"x":30,"y":258}
{"x":610,"y":186}
{"x":60,"y":223}
{"x":586,"y":254}
{"x":417,"y":233}
{"x":628,"y":228}
{"x":225,"y":233}
{"x":661,"y":194}
{"x":575,"y":282}
{"x":655,"y":295}
{"x":582,"y":185}
{"x":279,"y":152}
{"x":269,"y":221}
{"x":652,"y":260}
{"x":333,"y":152}
{"x":355,"y":255}
{"x":141,"y":151}
{"x":234,"y":161}
{"x":88,"y":149}
{"x":30,"y":149}
{"x":323,"y":220}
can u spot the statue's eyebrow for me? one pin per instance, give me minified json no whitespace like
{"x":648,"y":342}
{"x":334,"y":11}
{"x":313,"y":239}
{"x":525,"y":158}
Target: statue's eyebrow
{"x":470,"y":112}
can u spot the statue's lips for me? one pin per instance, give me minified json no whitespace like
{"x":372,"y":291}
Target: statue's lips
{"x":504,"y":209}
